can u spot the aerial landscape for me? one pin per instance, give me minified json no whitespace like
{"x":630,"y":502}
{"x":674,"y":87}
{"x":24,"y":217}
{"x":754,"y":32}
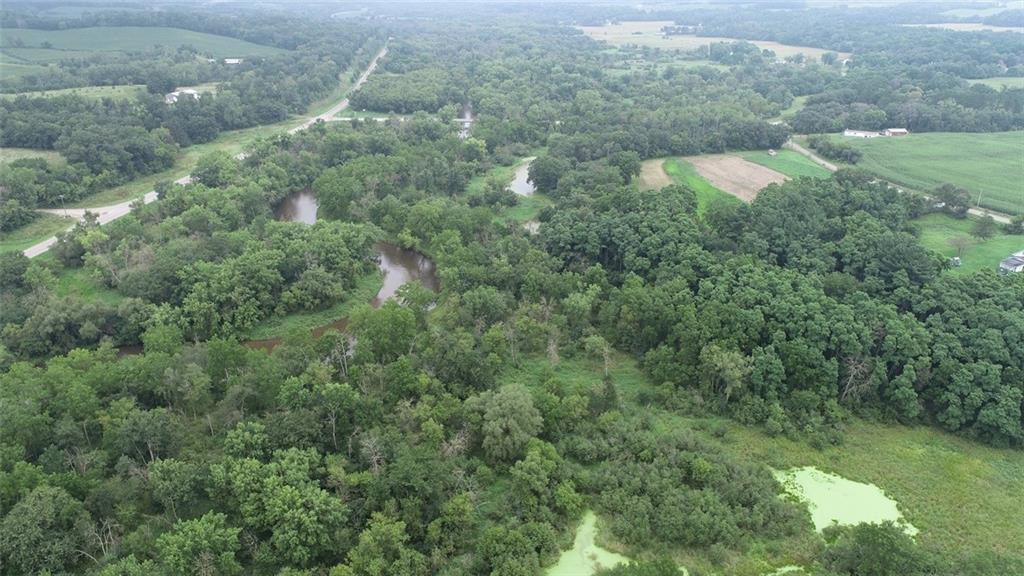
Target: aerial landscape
{"x":512,"y":287}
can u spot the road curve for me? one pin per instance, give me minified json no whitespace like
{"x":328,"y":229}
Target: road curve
{"x":105,"y":214}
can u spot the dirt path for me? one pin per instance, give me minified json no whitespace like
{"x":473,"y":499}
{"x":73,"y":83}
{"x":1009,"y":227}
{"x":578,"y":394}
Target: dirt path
{"x":735,"y":175}
{"x":110,"y":213}
{"x":817,"y":159}
{"x":653,"y":176}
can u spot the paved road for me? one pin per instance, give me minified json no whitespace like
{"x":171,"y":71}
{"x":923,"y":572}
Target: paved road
{"x":832,"y":168}
{"x":110,"y":213}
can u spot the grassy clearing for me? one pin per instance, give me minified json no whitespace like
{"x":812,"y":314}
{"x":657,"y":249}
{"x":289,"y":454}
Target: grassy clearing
{"x":1000,"y":82}
{"x":8,"y":155}
{"x":649,"y":34}
{"x":277,"y":326}
{"x":795,"y":106}
{"x":127,"y":39}
{"x":787,"y":162}
{"x":962,"y":496}
{"x":682,"y":172}
{"x":990,"y":165}
{"x":120,"y":92}
{"x":79,"y":283}
{"x":938,"y":229}
{"x":19,"y":70}
{"x":44,"y":226}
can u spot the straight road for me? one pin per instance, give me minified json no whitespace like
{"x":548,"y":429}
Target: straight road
{"x":110,"y":213}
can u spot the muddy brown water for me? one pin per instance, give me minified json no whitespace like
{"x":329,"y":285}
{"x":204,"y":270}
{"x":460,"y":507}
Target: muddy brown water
{"x":398,"y":267}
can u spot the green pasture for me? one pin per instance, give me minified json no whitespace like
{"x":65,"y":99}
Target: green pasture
{"x":938,"y":229}
{"x":123,"y":39}
{"x":682,"y":172}
{"x":989,"y":165}
{"x":787,"y":162}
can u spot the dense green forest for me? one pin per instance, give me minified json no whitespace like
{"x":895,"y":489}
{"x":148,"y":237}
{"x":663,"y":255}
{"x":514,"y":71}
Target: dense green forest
{"x":584,"y":345}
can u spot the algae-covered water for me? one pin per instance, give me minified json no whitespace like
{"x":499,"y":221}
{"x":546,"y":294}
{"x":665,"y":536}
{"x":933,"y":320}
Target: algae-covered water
{"x":833,"y":499}
{"x":585,"y":557}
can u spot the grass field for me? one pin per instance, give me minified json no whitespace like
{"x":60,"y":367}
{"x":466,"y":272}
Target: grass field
{"x":121,"y":92}
{"x":44,"y":226}
{"x":1000,"y":82}
{"x":963,"y":496}
{"x":649,"y":34}
{"x":938,"y":229}
{"x":80,"y":283}
{"x":682,"y":172}
{"x":968,"y":27}
{"x":990,"y":165}
{"x":12,"y":69}
{"x":787,"y":162}
{"x":125,"y":39}
{"x":277,"y":326}
{"x":8,"y":155}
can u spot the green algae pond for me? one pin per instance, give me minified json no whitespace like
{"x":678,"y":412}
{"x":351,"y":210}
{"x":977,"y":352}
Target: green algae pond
{"x":833,"y":499}
{"x":585,"y":557}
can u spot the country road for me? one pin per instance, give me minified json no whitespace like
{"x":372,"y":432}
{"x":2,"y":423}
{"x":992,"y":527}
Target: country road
{"x":1001,"y":218}
{"x":112,"y":212}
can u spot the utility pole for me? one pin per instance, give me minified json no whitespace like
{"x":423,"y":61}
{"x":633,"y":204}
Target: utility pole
{"x":62,"y":207}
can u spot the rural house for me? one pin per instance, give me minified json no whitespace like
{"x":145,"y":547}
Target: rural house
{"x":233,"y":60}
{"x":896,"y":132}
{"x":1013,"y":263}
{"x":861,"y":133}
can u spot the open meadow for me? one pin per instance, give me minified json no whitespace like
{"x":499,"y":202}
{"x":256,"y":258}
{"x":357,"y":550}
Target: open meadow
{"x":1000,"y":82}
{"x":989,"y":165}
{"x":27,"y":44}
{"x":119,"y":92}
{"x":649,"y":34}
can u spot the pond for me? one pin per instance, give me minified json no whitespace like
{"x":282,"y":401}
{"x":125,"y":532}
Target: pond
{"x":585,"y":557}
{"x":520,"y":180}
{"x":834,"y":499}
{"x":298,"y":207}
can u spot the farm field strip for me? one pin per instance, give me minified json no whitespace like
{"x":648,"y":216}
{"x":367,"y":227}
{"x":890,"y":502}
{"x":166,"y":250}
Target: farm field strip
{"x":649,"y":34}
{"x":989,"y":165}
{"x":127,"y":38}
{"x":735,"y":175}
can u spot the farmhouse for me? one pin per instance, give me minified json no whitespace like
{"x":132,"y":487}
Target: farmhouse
{"x":233,"y":60}
{"x":1014,"y":263}
{"x":172,"y":97}
{"x":896,"y":132}
{"x":861,"y":133}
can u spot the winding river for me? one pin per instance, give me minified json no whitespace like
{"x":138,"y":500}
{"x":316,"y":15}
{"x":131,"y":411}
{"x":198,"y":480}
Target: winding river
{"x":397,"y":265}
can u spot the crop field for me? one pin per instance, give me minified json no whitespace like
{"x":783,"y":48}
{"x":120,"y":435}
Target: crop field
{"x":652,"y":175}
{"x":787,"y":162}
{"x":1000,"y":82}
{"x":124,"y":39}
{"x":649,"y":34}
{"x":735,"y":175}
{"x":938,"y":229}
{"x":121,"y":92}
{"x":990,"y":166}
